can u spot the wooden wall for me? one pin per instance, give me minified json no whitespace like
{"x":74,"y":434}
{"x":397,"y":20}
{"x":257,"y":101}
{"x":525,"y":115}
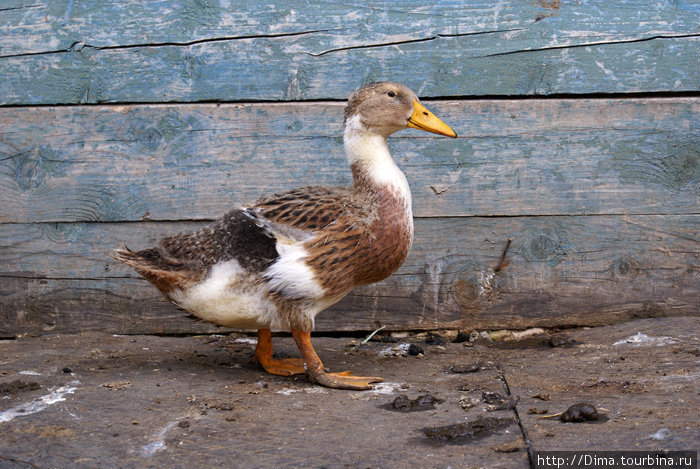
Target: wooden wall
{"x":579,"y":125}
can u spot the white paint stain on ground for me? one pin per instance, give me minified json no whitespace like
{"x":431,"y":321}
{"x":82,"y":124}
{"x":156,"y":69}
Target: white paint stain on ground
{"x":397,"y":350}
{"x":640,"y":339}
{"x":386,"y":388}
{"x":158,"y":443}
{"x":309,"y":390}
{"x":246,"y":340}
{"x":660,"y":434}
{"x":39,"y":403}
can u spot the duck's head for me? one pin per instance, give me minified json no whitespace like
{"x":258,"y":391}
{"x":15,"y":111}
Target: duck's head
{"x":385,"y":107}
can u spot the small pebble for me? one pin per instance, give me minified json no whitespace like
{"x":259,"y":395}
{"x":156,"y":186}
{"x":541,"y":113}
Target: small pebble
{"x":67,"y":370}
{"x":184,"y":424}
{"x":414,"y":350}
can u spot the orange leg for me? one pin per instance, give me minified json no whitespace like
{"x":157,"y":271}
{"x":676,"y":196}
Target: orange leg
{"x":314,"y":368}
{"x":263,"y":356}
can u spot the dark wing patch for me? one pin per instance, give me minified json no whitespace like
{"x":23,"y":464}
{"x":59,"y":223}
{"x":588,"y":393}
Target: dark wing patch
{"x":233,"y":236}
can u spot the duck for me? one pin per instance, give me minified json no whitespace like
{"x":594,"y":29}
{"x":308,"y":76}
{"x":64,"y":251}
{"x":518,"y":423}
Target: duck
{"x":276,"y":263}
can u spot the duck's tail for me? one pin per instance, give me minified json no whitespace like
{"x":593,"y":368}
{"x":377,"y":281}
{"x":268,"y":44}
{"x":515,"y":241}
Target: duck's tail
{"x":162,"y":271}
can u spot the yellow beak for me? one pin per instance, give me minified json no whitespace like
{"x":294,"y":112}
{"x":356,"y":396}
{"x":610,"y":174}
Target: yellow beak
{"x":425,"y":120}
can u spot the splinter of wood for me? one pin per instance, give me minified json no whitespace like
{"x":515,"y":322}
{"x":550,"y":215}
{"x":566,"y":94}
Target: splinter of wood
{"x":500,"y":264}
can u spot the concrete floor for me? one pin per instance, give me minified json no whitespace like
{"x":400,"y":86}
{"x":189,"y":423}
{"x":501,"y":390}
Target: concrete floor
{"x":97,"y":400}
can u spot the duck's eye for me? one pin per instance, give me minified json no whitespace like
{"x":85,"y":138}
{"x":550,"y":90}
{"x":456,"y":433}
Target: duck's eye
{"x":391,"y":94}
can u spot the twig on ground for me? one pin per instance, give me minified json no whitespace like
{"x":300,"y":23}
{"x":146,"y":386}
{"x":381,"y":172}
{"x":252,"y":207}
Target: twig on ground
{"x":369,"y":337}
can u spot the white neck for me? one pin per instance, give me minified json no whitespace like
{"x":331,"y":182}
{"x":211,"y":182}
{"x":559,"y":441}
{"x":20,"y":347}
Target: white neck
{"x":370,"y":151}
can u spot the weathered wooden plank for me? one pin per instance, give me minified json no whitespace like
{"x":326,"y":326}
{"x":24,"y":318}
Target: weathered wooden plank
{"x":62,"y":52}
{"x":31,"y":27}
{"x":513,"y":157}
{"x":561,"y":271}
{"x":289,"y":69}
{"x":120,"y":306}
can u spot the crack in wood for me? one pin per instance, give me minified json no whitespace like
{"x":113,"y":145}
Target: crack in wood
{"x":77,"y":46}
{"x":409,"y":41}
{"x":589,"y":96}
{"x":422,"y":217}
{"x":590,"y":44}
{"x":23,"y":7}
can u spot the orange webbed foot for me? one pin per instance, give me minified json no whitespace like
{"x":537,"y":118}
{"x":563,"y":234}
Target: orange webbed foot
{"x":317,"y":374}
{"x":283,"y":367}
{"x":275,"y":366}
{"x":345,"y":380}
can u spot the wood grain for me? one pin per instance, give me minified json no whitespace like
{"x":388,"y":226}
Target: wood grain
{"x":194,"y":162}
{"x":559,"y":271}
{"x":29,"y":26}
{"x":68,"y":52}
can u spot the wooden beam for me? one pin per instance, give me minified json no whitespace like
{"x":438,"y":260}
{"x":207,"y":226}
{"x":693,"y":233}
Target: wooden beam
{"x":65,"y":52}
{"x":558,"y":271}
{"x":184,"y":162}
{"x":34,"y":27}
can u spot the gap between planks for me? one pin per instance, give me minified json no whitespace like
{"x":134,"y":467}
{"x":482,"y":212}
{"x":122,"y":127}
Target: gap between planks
{"x":485,"y":97}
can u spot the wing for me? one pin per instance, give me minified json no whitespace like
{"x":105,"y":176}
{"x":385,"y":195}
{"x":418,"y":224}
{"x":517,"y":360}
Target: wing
{"x":308,"y":208}
{"x":233,"y":236}
{"x":315,"y":227}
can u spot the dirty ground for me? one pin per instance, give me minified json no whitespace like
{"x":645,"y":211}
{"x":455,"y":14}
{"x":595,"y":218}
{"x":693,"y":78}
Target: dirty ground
{"x":98,"y":400}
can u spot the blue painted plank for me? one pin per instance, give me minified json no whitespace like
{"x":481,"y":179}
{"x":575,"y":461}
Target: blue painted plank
{"x":254,"y":52}
{"x":31,"y":27}
{"x":533,"y":157}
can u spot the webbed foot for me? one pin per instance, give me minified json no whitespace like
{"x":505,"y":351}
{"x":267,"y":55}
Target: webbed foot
{"x":276,"y":366}
{"x":318,"y":375}
{"x":345,"y":380}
